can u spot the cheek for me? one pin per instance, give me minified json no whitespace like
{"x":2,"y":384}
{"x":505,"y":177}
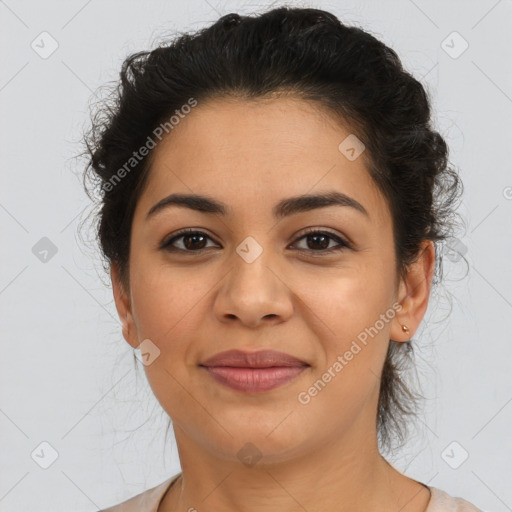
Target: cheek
{"x":345,"y":301}
{"x":353,"y":315}
{"x":350,"y":327}
{"x":166,"y":305}
{"x":164,"y":299}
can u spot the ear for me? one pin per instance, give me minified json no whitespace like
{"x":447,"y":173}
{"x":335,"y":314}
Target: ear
{"x":123,"y":306}
{"x":414,"y":293}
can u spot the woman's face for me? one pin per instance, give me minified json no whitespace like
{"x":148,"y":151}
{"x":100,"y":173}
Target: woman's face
{"x":253,"y":280}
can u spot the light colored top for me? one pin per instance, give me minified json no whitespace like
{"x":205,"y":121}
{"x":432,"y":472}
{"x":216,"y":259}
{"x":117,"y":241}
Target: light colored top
{"x":148,"y":501}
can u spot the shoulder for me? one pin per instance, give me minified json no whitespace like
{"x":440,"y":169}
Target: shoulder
{"x":441,"y":501}
{"x":146,"y":501}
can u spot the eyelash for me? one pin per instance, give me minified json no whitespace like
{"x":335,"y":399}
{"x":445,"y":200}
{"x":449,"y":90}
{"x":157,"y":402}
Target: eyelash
{"x":167,"y":244}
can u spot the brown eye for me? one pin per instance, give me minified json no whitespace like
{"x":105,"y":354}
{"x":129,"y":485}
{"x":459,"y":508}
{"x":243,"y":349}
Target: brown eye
{"x":318,"y":241}
{"x":192,"y":241}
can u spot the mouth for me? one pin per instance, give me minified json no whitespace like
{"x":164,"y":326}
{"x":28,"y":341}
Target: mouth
{"x":253,"y":372}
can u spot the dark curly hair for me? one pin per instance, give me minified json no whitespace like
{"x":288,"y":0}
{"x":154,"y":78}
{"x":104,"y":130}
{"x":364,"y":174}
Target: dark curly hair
{"x":310,"y":54}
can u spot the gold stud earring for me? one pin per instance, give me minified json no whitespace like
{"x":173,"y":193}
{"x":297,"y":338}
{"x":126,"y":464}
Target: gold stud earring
{"x":405,"y":328}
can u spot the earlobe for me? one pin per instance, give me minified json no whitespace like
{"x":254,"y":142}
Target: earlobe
{"x":414,"y":293}
{"x":123,"y":306}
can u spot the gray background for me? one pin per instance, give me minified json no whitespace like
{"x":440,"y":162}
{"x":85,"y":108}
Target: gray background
{"x":68,"y":377}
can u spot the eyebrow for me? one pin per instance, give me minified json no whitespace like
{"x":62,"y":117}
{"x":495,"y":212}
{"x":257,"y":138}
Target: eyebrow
{"x":283,"y":208}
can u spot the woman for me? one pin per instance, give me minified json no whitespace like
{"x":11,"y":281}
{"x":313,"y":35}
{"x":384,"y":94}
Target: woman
{"x":272,"y":193}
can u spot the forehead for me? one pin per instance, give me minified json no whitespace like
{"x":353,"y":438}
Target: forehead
{"x":248,"y":151}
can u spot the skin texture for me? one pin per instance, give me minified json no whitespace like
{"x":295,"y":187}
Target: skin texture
{"x":318,"y":456}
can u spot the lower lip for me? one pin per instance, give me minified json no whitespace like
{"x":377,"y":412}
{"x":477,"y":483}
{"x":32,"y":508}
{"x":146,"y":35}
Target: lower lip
{"x":254,"y":380}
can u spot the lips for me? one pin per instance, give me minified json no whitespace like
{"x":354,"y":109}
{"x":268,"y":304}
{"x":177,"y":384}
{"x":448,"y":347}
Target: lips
{"x":260,"y":359}
{"x":253,"y":372}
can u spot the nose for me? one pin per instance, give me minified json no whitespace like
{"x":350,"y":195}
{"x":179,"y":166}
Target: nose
{"x":254,"y":292}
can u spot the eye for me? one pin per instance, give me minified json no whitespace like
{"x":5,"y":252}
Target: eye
{"x":194,"y":241}
{"x":320,"y":241}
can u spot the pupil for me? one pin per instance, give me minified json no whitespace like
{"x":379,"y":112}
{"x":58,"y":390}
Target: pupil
{"x":192,"y":244}
{"x":326,"y":241}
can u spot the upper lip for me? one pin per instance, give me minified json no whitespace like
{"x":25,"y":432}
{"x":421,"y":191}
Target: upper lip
{"x":259,"y":359}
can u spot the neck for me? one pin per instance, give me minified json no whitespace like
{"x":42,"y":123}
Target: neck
{"x":337,"y":476}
